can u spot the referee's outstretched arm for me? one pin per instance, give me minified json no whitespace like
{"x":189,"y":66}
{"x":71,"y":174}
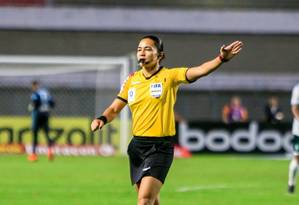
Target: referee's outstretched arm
{"x":226,"y":53}
{"x":108,"y":115}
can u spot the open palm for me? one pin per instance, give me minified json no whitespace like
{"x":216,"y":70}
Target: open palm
{"x":229,"y":51}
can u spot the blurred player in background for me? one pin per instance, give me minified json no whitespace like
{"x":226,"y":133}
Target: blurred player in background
{"x":40,"y":106}
{"x":151,"y":94}
{"x":273,"y":111}
{"x":295,"y":131}
{"x":234,"y":112}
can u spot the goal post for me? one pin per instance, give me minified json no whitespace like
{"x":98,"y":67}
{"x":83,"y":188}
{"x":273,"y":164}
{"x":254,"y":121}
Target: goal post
{"x":75,"y":80}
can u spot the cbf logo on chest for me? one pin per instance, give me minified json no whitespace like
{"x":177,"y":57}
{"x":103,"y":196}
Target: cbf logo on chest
{"x":156,"y":90}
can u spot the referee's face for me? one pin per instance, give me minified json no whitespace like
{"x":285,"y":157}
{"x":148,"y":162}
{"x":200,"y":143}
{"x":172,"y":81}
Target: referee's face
{"x":147,"y":53}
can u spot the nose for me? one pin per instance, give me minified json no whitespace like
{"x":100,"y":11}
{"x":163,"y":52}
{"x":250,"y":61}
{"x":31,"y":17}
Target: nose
{"x":141,"y":55}
{"x":141,"y":52}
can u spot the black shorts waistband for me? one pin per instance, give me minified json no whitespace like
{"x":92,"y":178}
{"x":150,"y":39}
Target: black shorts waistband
{"x":143,"y":138}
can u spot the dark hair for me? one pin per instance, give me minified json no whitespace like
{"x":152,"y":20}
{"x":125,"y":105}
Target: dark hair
{"x":158,"y":44}
{"x":35,"y":82}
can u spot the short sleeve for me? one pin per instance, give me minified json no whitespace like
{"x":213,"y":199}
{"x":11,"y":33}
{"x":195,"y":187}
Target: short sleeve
{"x":179,"y":75}
{"x":34,"y":97}
{"x":123,"y":93}
{"x":295,"y":95}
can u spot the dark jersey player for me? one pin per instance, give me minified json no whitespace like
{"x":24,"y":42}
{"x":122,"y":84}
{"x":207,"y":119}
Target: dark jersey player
{"x":40,"y":106}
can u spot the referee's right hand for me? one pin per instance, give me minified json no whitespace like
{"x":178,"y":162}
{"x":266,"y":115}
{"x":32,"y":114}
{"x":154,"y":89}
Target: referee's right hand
{"x":96,"y":124}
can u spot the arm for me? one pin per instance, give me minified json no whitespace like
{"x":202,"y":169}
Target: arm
{"x":244,"y":113}
{"x":51,"y":102}
{"x":225,"y":112}
{"x":226,"y":53}
{"x":110,"y":113}
{"x":178,"y":117}
{"x":295,"y":111}
{"x":35,"y":101}
{"x":268,"y":114}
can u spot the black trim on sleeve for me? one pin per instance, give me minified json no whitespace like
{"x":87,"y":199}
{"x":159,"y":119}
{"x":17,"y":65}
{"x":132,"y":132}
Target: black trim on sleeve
{"x":120,"y":98}
{"x":189,"y":81}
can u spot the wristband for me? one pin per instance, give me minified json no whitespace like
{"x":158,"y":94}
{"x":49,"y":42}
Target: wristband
{"x":222,"y":59}
{"x":103,"y":118}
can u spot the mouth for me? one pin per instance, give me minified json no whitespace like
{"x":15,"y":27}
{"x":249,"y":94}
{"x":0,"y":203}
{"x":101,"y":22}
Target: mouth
{"x":141,"y":61}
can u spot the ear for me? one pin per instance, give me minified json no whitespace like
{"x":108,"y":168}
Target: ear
{"x":161,"y":56}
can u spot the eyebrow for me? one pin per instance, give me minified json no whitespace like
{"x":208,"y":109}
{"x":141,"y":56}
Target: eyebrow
{"x":144,"y":47}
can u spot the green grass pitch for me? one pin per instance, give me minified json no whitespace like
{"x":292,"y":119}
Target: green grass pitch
{"x":200,"y":180}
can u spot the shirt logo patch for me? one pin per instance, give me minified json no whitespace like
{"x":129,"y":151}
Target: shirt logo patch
{"x":156,"y":90}
{"x":131,"y":94}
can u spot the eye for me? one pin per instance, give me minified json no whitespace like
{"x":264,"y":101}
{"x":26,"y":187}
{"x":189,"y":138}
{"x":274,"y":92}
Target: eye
{"x":148,"y":49}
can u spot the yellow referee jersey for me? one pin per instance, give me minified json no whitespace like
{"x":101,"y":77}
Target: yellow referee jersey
{"x":151,"y":100}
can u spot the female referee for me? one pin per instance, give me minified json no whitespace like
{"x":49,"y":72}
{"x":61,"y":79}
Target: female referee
{"x":151,"y":94}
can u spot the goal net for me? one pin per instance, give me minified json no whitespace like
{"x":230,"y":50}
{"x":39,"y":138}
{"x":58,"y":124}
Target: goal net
{"x":82,"y":88}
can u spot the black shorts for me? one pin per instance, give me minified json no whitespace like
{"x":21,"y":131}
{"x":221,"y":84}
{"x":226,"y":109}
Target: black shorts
{"x":150,"y":156}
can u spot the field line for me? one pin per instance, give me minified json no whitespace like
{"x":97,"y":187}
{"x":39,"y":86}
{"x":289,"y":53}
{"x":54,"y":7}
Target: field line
{"x":211,"y":187}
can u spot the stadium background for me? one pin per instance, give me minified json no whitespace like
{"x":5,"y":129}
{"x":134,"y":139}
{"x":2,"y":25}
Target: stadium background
{"x":268,"y":65}
{"x":268,"y":53}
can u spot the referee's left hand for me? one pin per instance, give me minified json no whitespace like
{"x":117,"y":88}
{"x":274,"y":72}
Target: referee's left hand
{"x":228,"y":52}
{"x":96,"y":124}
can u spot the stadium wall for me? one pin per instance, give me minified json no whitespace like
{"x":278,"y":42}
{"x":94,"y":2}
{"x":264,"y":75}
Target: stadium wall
{"x":261,"y":53}
{"x":257,"y":57}
{"x":192,"y":105}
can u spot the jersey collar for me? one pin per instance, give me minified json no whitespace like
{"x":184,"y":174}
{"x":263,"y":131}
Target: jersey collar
{"x":147,"y":78}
